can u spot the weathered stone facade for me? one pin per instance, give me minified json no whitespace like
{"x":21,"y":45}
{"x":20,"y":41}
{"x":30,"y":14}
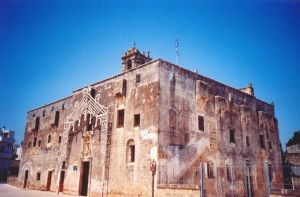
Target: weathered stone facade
{"x":100,"y":141}
{"x":293,"y":162}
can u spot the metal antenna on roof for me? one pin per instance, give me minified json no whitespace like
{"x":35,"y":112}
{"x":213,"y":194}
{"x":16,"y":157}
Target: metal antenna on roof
{"x":177,"y":51}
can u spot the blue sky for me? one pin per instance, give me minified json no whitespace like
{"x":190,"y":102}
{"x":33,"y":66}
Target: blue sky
{"x":50,"y":48}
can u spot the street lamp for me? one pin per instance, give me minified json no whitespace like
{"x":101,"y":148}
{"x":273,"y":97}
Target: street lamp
{"x":153,"y":170}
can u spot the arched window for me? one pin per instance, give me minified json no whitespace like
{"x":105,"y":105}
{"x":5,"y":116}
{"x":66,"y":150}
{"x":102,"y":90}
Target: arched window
{"x":130,"y":157}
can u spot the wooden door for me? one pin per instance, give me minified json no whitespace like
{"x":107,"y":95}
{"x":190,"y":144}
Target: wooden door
{"x":49,"y":180}
{"x":61,"y":181}
{"x":85,"y":178}
{"x":25,"y":179}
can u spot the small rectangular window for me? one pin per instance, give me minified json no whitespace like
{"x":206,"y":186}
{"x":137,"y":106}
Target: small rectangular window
{"x":56,"y":120}
{"x":186,"y":138}
{"x":138,"y":78}
{"x":88,"y":122}
{"x":63,"y":165}
{"x":201,"y":123}
{"x":247,"y":141}
{"x":132,"y":153}
{"x":44,"y":113}
{"x":120,"y":120}
{"x":49,"y":138}
{"x":137,"y":120}
{"x":93,"y":93}
{"x":210,"y":170}
{"x":34,"y":142}
{"x":232,"y":136}
{"x":228,"y":172}
{"x":38,"y":176}
{"x":270,"y":172}
{"x":262,"y":141}
{"x":270,"y":145}
{"x":59,"y":139}
{"x":37,"y":124}
{"x":124,"y":87}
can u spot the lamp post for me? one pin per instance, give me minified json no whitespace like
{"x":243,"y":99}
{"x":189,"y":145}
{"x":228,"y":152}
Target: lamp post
{"x":153,"y":170}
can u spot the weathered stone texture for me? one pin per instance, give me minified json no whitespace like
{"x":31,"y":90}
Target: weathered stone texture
{"x":169,"y":101}
{"x":185,"y":96}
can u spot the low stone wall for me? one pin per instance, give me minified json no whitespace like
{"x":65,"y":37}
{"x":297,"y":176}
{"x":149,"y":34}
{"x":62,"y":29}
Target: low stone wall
{"x":179,"y":192}
{"x":285,"y":193}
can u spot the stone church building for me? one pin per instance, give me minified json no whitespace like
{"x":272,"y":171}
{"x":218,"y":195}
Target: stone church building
{"x":101,"y":140}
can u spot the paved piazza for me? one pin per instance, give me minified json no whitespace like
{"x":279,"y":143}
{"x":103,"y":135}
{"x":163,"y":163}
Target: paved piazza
{"x":7,"y":190}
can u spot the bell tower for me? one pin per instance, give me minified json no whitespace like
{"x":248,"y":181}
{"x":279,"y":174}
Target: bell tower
{"x":133,"y":58}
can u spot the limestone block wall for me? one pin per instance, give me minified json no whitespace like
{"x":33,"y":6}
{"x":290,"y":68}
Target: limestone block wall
{"x":40,"y":153}
{"x":182,"y":146}
{"x":124,"y":91}
{"x":184,"y":119}
{"x":126,"y":178}
{"x":134,"y":178}
{"x":180,"y":140}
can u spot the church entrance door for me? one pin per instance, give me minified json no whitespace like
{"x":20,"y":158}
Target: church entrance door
{"x":84,"y":178}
